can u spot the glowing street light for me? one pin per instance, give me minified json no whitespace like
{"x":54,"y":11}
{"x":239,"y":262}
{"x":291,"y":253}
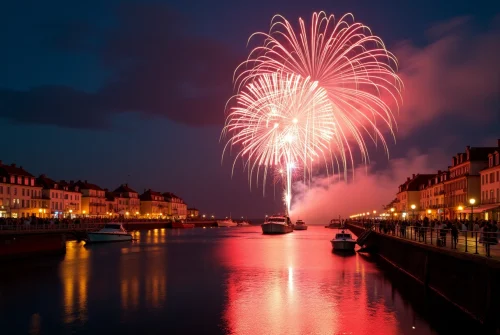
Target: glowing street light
{"x":472,"y":201}
{"x":413,"y":210}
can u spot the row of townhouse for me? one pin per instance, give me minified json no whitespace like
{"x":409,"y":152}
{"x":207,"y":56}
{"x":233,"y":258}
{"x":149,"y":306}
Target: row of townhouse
{"x":24,"y":195}
{"x":469,"y":188}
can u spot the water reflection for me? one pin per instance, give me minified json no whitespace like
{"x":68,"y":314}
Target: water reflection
{"x":299,"y":287}
{"x":75,"y":272}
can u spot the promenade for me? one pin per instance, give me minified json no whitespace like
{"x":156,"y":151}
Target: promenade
{"x":478,"y":243}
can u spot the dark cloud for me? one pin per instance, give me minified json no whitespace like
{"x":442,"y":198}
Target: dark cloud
{"x":157,"y":66}
{"x":56,"y":105}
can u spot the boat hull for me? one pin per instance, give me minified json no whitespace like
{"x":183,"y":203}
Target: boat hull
{"x":226,"y":224}
{"x":102,"y":237}
{"x":276,"y":228}
{"x":300,"y":227}
{"x":343,"y":245}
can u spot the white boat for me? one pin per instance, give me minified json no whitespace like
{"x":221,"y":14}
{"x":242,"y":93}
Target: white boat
{"x":112,"y":232}
{"x":300,"y":225}
{"x":277,"y":224}
{"x":226,"y":223}
{"x":334,"y":224}
{"x":243,"y":223}
{"x":343,"y":242}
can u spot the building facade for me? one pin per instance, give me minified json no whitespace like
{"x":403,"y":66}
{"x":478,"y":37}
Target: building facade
{"x":93,"y":199}
{"x":177,"y":209}
{"x":409,"y":195}
{"x":63,"y":199}
{"x":490,"y":187}
{"x":20,"y":197}
{"x":432,"y":196}
{"x":464,"y":183}
{"x":127,"y":201}
{"x":153,"y":205}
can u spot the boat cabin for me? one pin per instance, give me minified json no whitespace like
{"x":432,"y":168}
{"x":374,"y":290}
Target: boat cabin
{"x":343,"y":236}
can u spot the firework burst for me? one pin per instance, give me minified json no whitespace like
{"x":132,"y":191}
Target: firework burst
{"x":280,"y":123}
{"x":306,"y":93}
{"x":345,"y":59}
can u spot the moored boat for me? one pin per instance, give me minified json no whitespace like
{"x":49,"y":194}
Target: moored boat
{"x":334,"y":224}
{"x":226,"y":223}
{"x":112,"y":232}
{"x":243,"y":223}
{"x":300,"y":225}
{"x":277,"y":224}
{"x":343,"y":242}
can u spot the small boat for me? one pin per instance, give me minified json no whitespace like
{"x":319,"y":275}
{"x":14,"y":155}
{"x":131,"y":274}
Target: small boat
{"x":243,"y":223}
{"x":300,"y":225}
{"x":226,"y":223}
{"x":343,"y":242}
{"x":277,"y":224}
{"x":112,"y":232}
{"x":334,"y":224}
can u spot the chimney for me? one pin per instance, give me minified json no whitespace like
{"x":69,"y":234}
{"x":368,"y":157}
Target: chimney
{"x":413,"y":176}
{"x":408,"y":179}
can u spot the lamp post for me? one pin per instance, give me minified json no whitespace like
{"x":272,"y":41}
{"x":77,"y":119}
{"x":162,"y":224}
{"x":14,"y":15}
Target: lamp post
{"x":472,"y":201}
{"x":413,"y":211}
{"x":429,"y":212}
{"x":460,"y":209}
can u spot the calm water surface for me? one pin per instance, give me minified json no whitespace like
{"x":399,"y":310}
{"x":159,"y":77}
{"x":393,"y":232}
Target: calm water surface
{"x":217,"y":281}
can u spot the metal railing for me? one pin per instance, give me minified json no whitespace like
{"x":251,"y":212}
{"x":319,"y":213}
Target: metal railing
{"x":474,"y":242}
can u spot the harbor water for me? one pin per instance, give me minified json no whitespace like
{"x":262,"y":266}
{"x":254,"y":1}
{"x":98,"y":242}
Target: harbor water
{"x":218,"y":281}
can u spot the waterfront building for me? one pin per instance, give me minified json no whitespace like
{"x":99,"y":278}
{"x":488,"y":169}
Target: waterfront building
{"x":60,"y":199}
{"x":93,"y":199}
{"x":177,"y":209}
{"x":111,"y":204}
{"x":490,"y":187}
{"x":464,"y":182}
{"x":19,"y":194}
{"x":127,"y":201}
{"x":432,"y":196}
{"x":193,"y":213}
{"x":153,"y":204}
{"x":408,"y":196}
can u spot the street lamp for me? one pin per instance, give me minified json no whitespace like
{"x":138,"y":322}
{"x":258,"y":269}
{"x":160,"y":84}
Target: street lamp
{"x":413,"y":211}
{"x":472,"y":201}
{"x":460,"y":209}
{"x":429,"y":212}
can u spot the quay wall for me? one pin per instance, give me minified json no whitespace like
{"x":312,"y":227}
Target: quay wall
{"x":470,"y":282}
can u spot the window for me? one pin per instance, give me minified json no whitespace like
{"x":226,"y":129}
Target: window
{"x":492,"y":194}
{"x":15,"y":190}
{"x":482,"y":179}
{"x":8,"y":190}
{"x":492,"y":177}
{"x":1,"y":189}
{"x":486,"y":179}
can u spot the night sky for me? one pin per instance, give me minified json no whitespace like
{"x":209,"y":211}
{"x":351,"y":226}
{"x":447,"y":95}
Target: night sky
{"x":134,"y":91}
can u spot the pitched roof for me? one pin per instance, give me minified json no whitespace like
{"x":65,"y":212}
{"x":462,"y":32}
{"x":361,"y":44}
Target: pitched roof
{"x":169,"y":196}
{"x":124,"y":188}
{"x":8,"y":170}
{"x":84,"y":185}
{"x":148,"y":195}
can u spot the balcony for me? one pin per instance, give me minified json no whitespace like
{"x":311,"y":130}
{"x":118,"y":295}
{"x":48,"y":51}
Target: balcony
{"x":489,"y":201}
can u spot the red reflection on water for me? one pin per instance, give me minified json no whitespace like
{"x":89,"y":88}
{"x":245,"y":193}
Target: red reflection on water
{"x":293,"y":284}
